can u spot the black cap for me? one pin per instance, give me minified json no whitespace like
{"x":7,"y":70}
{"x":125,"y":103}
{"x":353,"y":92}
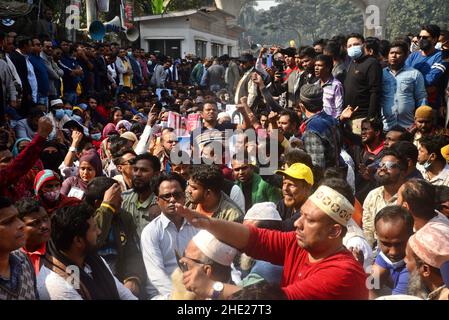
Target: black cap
{"x":311,"y":95}
{"x":246,"y":57}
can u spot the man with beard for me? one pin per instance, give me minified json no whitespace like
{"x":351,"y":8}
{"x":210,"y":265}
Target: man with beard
{"x":427,"y":252}
{"x":390,"y":176}
{"x":205,"y":194}
{"x":37,"y":230}
{"x":26,"y":128}
{"x":246,"y":87}
{"x":367,"y":156}
{"x":296,"y":188}
{"x":394,"y":226}
{"x":73,"y":249}
{"x":423,"y":123}
{"x":435,"y":167}
{"x":138,"y":200}
{"x":165,"y":234}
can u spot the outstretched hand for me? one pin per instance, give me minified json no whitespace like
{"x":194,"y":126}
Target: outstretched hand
{"x":195,"y":218}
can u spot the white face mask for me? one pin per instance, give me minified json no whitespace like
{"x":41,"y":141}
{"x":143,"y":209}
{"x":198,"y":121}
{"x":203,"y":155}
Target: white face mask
{"x":439,"y":46}
{"x":414,"y":47}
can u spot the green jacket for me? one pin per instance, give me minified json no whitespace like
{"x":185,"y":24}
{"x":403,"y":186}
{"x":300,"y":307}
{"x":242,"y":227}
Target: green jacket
{"x":261,"y":191}
{"x":120,"y":227}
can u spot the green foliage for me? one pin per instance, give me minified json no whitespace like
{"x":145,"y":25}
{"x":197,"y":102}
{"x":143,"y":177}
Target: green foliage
{"x":406,"y":16}
{"x":301,"y":20}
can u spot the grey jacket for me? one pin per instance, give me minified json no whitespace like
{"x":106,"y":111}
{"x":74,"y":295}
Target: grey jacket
{"x":54,"y":73}
{"x":7,"y":79}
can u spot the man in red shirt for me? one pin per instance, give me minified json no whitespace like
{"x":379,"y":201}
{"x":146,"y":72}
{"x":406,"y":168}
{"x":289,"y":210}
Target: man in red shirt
{"x":316,"y":264}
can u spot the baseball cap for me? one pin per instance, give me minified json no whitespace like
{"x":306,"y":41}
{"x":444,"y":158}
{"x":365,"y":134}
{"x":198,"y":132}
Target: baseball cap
{"x":298,"y":171}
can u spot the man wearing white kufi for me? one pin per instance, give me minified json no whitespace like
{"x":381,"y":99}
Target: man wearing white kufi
{"x":207,"y":256}
{"x":316,"y":264}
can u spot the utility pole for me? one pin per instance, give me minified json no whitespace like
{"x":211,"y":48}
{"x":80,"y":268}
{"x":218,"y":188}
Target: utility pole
{"x":91,"y":12}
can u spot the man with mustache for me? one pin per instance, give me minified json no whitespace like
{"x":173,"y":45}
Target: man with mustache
{"x":165,"y":234}
{"x":37,"y":230}
{"x":390,"y":175}
{"x":426,"y":259}
{"x":139,"y":200}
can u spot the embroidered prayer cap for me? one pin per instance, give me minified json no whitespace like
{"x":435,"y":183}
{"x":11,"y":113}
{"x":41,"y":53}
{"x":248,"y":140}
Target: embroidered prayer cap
{"x":56,"y":102}
{"x":431,"y":243}
{"x":223,"y":115}
{"x":263,"y":211}
{"x":214,"y":249}
{"x":333,"y":203}
{"x":298,"y":171}
{"x":425,"y":112}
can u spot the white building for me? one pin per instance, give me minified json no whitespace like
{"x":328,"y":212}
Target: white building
{"x":205,"y":33}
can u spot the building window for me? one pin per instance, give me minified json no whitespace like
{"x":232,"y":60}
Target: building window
{"x":200,"y":48}
{"x":171,"y":48}
{"x":217,"y":50}
{"x":230,"y":51}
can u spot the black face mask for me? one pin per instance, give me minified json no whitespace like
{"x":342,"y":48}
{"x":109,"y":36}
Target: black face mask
{"x":425,"y":44}
{"x":52,"y":160}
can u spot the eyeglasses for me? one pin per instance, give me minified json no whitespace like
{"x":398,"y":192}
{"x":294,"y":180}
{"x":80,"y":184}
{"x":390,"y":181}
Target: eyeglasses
{"x":183,"y":265}
{"x":167,"y":197}
{"x":388,"y":165}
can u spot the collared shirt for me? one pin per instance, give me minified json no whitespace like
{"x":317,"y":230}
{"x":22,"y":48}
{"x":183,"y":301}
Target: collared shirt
{"x":333,"y":96}
{"x":52,"y":286}
{"x":138,"y":210}
{"x":35,"y":257}
{"x":402,"y":93}
{"x":442,"y":179}
{"x":373,"y":203}
{"x":159,"y":240}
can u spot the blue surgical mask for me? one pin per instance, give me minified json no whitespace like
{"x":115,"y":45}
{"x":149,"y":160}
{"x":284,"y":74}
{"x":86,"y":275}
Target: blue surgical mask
{"x":77,"y":118}
{"x":68,"y":112}
{"x":427,"y":165}
{"x":355,"y":52}
{"x":96,"y":136}
{"x":59,"y":114}
{"x":130,"y":53}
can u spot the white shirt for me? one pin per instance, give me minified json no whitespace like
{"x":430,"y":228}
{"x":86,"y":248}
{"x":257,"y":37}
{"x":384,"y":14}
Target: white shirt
{"x":159,"y":239}
{"x":442,"y":179}
{"x":238,"y":197}
{"x":52,"y":286}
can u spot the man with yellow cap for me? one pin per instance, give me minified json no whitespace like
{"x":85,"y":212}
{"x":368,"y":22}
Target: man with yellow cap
{"x":296,"y":188}
{"x":316,"y":264}
{"x":423,"y":123}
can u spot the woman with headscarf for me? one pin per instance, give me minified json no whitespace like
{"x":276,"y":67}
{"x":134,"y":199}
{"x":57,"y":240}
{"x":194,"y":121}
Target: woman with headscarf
{"x":89,"y":168}
{"x":47,"y":188}
{"x":108,"y":130}
{"x":123,"y":126}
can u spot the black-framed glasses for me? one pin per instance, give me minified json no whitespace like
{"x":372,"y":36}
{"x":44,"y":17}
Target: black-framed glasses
{"x":167,"y":196}
{"x":423,"y":37}
{"x":388,"y":165}
{"x":183,"y":265}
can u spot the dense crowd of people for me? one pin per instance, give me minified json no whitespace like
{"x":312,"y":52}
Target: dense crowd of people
{"x":318,"y":172}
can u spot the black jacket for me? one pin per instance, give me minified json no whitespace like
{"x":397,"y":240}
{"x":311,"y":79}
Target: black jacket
{"x":363,"y":87}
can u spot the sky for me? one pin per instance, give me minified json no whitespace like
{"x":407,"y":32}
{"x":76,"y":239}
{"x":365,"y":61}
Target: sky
{"x":265,"y":4}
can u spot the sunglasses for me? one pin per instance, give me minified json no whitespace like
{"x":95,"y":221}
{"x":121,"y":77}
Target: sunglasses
{"x":388,"y":165}
{"x":167,"y":196}
{"x":423,"y":37}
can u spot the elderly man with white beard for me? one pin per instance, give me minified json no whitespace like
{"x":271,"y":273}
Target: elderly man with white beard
{"x":426,"y":256}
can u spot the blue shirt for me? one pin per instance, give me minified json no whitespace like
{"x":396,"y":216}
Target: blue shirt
{"x":432,"y":68}
{"x":68,"y":64}
{"x":398,"y":273}
{"x":402,"y":93}
{"x":40,"y":70}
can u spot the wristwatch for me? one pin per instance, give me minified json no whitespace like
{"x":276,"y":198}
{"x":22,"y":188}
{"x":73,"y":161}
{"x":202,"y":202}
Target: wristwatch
{"x":73,"y":149}
{"x":218,"y":289}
